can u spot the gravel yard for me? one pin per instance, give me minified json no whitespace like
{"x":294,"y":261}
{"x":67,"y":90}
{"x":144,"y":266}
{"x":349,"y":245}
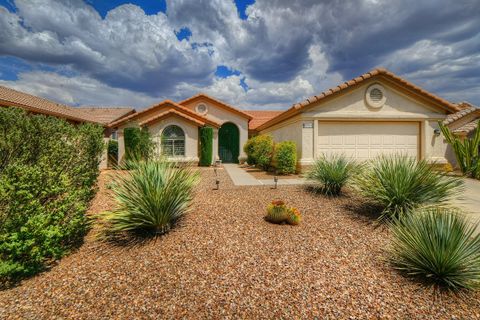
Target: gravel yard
{"x":225,"y":261}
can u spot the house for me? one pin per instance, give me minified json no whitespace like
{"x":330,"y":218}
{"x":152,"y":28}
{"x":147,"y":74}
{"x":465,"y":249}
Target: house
{"x":375,"y":113}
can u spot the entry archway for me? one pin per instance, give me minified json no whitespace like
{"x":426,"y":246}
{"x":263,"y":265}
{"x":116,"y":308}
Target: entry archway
{"x":229,"y":143}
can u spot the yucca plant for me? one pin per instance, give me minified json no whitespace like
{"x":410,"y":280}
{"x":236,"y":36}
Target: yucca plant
{"x":331,"y":173}
{"x":400,"y":184}
{"x":439,"y":245}
{"x":150,"y":197}
{"x":466,"y":151}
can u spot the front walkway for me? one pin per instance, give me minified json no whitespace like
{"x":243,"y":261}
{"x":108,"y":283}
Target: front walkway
{"x":242,"y":178}
{"x":470,"y":200}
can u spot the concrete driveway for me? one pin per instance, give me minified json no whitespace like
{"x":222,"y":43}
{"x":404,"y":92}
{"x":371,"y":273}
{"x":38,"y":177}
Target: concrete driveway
{"x":470,"y":200}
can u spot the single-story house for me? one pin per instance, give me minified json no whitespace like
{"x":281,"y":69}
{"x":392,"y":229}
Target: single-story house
{"x":377,"y":112}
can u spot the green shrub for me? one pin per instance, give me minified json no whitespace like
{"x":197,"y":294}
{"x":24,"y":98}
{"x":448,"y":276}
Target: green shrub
{"x":206,"y":146}
{"x":248,"y":148}
{"x":152,"y":197}
{"x":138,"y":144}
{"x":285,"y":157}
{"x":438,"y":245}
{"x":112,"y":153}
{"x":331,"y":173}
{"x":467,"y":151}
{"x":400,"y":184}
{"x":48,"y":169}
{"x":263,"y":151}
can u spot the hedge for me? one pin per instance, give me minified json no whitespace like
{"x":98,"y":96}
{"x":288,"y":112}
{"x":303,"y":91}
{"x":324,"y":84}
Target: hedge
{"x":138,"y":144}
{"x":206,"y":146}
{"x":48,"y":169}
{"x":285,"y":157}
{"x":259,"y":150}
{"x":112,"y":153}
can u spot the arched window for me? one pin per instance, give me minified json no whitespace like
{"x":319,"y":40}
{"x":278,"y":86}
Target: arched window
{"x":173,"y":141}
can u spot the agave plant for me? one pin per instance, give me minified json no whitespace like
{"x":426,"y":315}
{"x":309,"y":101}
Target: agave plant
{"x":466,"y":151}
{"x":331,"y":173}
{"x":151,"y":197}
{"x":439,"y":245}
{"x":400,"y":184}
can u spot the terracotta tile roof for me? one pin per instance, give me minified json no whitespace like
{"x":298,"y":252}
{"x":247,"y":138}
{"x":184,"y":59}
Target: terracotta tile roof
{"x":466,"y":110}
{"x":259,"y":117}
{"x":10,"y":97}
{"x":107,"y":115}
{"x":469,"y":127}
{"x":170,"y":103}
{"x":170,"y":112}
{"x":379,"y":72}
{"x":218,"y":102}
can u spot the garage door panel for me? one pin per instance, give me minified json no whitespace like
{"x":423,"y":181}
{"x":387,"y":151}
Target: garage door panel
{"x":366,"y":140}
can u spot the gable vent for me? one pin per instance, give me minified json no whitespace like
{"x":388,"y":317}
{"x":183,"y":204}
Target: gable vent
{"x":376,"y":95}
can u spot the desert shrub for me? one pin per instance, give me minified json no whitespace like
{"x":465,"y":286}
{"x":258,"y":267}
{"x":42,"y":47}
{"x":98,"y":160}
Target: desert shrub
{"x":467,"y":151}
{"x":151,"y":197}
{"x":400,"y":184}
{"x":438,"y":245}
{"x":206,"y":146}
{"x":112,"y":153}
{"x":138,"y":144}
{"x":248,"y":148}
{"x":263,"y":151}
{"x":285,"y":157}
{"x":48,"y":169}
{"x":332,"y":173}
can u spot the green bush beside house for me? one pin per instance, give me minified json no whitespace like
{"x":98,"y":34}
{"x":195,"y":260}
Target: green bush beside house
{"x":138,"y":144}
{"x":206,"y":146}
{"x":285,"y":157}
{"x":48,"y":170}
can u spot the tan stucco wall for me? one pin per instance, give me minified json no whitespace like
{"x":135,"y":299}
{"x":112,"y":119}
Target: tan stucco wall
{"x":190,"y":129}
{"x":191,"y":136}
{"x":351,"y":105}
{"x":221,"y":116}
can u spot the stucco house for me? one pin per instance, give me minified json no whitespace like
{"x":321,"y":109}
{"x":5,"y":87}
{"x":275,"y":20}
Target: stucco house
{"x":377,"y":112}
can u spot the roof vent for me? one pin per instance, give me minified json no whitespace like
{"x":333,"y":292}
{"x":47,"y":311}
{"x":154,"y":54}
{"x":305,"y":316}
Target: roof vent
{"x":375,"y":96}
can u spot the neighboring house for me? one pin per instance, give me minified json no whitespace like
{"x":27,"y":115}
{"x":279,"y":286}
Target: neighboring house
{"x":373,"y":114}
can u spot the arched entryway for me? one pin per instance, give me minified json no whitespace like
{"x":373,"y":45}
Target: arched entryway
{"x":228,"y":143}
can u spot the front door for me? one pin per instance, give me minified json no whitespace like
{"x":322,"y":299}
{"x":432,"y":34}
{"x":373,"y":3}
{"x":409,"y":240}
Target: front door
{"x":228,"y":143}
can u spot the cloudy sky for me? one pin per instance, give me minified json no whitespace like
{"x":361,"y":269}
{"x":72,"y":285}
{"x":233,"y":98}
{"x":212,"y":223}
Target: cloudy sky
{"x":252,"y":54}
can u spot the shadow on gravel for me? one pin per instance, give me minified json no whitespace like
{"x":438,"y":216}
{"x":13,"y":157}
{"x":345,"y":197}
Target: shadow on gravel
{"x":365,"y":212}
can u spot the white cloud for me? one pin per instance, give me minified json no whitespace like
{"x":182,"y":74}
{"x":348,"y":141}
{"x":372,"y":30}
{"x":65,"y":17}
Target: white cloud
{"x":286,"y":50}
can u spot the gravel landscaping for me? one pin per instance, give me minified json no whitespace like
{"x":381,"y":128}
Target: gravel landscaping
{"x":225,"y":261}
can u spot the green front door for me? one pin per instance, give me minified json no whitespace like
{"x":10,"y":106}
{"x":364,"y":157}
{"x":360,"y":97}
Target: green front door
{"x":228,"y":143}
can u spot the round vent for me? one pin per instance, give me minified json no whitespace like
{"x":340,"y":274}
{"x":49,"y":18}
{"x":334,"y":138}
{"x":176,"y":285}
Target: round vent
{"x":375,"y":96}
{"x":201,"y":108}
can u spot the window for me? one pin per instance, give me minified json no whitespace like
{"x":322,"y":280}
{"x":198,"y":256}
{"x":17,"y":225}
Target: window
{"x":376,"y":95}
{"x":173,"y":141}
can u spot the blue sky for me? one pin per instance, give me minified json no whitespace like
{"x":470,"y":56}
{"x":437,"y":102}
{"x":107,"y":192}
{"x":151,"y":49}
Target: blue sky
{"x":253,"y":54}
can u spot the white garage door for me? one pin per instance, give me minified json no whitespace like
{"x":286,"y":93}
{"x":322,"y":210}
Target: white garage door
{"x":365,"y":140}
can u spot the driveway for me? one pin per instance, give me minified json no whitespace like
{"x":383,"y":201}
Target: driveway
{"x":470,"y":200}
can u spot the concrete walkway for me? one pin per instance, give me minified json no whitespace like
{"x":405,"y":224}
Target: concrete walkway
{"x":470,"y":200}
{"x":242,"y":178}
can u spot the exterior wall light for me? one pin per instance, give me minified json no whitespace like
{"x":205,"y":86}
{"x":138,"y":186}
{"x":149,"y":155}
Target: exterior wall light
{"x":436,"y":132}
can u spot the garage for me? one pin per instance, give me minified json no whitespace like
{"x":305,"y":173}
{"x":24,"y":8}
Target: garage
{"x":366,"y":140}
